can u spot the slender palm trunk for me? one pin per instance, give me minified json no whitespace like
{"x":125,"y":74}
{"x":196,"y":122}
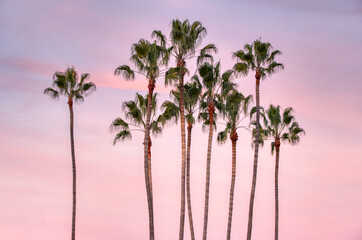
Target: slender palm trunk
{"x":183,"y":151}
{"x":70,"y":104}
{"x":256,"y":152}
{"x":151,"y":87}
{"x":211,"y":110}
{"x":276,"y":229}
{"x":188,"y":191}
{"x":149,"y":164}
{"x":234,"y":139}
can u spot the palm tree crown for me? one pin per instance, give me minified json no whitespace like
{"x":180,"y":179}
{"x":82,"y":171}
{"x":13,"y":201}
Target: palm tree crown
{"x":147,"y":57}
{"x":185,"y":38}
{"x":282,"y":127}
{"x":135,"y":112}
{"x":192,"y":97}
{"x":68,"y":84}
{"x":258,"y":57}
{"x":234,"y":110}
{"x":215,"y":85}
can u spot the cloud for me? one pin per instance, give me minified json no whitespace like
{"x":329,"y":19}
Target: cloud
{"x":117,"y":82}
{"x":27,"y":65}
{"x":323,"y":6}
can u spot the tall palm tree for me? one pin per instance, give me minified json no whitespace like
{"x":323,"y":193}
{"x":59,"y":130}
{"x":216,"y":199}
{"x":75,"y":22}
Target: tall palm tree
{"x":136,"y":114}
{"x":172,"y":110}
{"x":147,"y":58}
{"x":234,"y":111}
{"x":260,"y":58}
{"x":214,"y":85}
{"x":68,"y":84}
{"x":281,"y":128}
{"x":185,"y":39}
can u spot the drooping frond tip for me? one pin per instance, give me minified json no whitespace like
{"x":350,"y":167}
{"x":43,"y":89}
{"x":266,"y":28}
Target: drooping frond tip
{"x":160,"y":37}
{"x":52,"y":93}
{"x":126,"y":72}
{"x":122,"y":136}
{"x":88,"y":88}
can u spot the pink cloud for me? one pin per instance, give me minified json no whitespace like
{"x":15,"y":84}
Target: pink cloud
{"x":29,"y":65}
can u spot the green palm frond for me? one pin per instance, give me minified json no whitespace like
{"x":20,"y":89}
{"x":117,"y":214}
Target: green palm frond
{"x":173,"y":74}
{"x":287,"y":117}
{"x":126,"y":72}
{"x":141,"y":103}
{"x":118,"y":124}
{"x":190,"y":118}
{"x":61,"y":82}
{"x":78,"y":98}
{"x":88,"y":88}
{"x":52,"y":93}
{"x":133,"y":112}
{"x":206,"y":54}
{"x":156,"y":126}
{"x":83,"y":77}
{"x":204,"y":119}
{"x":171,"y":111}
{"x":263,"y":133}
{"x":160,"y":37}
{"x":272,"y":146}
{"x":122,"y":136}
{"x":222,"y":137}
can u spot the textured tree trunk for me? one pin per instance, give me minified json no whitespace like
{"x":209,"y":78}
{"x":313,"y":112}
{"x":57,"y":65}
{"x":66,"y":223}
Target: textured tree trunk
{"x":234,"y":139}
{"x":149,"y":163}
{"x":180,"y":63}
{"x":188,"y":191}
{"x":211,"y":110}
{"x":256,"y":152}
{"x":151,"y":86}
{"x":276,"y":229}
{"x":70,"y":104}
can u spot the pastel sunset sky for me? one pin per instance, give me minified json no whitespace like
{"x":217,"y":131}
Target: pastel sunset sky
{"x":320,"y":178}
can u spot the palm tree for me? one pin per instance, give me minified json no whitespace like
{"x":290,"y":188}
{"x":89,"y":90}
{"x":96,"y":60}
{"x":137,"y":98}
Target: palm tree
{"x":214,"y":86}
{"x":172,"y":110}
{"x":136,"y":114}
{"x":234,"y":111}
{"x":68,"y":84}
{"x":147,"y":58}
{"x":283,"y":128}
{"x":260,"y":58}
{"x":184,"y":41}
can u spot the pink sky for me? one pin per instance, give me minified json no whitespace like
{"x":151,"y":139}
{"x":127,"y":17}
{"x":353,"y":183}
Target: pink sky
{"x":320,"y":179}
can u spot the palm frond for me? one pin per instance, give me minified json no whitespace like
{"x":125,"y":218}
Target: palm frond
{"x":126,"y":72}
{"x":171,"y":111}
{"x":54,"y":94}
{"x":222,"y":137}
{"x":160,"y":37}
{"x":88,"y":88}
{"x":117,"y":124}
{"x":122,"y":136}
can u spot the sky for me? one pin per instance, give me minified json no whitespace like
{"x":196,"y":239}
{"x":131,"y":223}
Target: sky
{"x":320,"y":178}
